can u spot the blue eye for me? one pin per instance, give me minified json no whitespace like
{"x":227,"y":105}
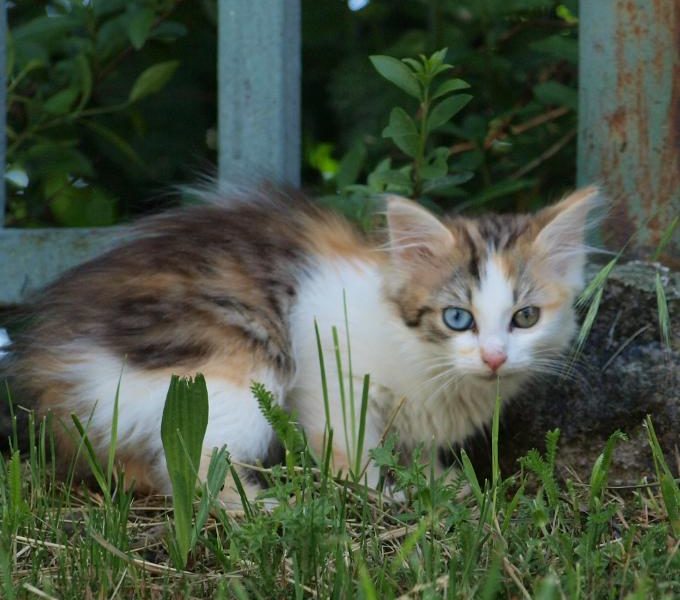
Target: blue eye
{"x":458,"y":319}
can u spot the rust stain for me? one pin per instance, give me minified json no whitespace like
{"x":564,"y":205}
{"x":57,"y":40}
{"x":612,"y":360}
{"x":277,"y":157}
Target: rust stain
{"x":640,"y":157}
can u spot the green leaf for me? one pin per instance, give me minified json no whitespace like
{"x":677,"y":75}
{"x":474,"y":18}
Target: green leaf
{"x":556,"y":94}
{"x":558,"y":46}
{"x":403,"y":131}
{"x":351,"y":165}
{"x":168,"y":31}
{"x":59,"y":158}
{"x":496,"y":191}
{"x":61,"y":102}
{"x":116,"y":141}
{"x":443,"y":185}
{"x":449,"y":86}
{"x":152,"y":80}
{"x":396,"y":72}
{"x":79,"y":205}
{"x":85,"y":75}
{"x":392,"y":177}
{"x":446,"y":109}
{"x":183,"y":426}
{"x":139,"y":26}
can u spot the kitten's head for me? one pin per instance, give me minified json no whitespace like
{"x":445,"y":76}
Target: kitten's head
{"x":493,"y":295}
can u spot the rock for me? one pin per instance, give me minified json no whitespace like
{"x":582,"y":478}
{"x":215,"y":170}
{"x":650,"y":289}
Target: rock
{"x":625,"y":372}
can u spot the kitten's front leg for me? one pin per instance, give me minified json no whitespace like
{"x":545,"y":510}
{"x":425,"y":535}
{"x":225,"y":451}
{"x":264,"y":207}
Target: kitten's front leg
{"x":341,"y":463}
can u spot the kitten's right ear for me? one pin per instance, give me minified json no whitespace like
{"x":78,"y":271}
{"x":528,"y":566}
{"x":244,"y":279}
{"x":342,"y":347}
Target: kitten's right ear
{"x":561,"y":240}
{"x":414,"y":232}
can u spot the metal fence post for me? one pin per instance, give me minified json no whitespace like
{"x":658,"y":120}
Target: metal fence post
{"x":259,"y":83}
{"x":3,"y":105}
{"x":629,"y":117}
{"x":259,"y":117}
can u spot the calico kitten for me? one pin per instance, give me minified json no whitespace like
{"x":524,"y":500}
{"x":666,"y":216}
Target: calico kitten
{"x":437,"y":315}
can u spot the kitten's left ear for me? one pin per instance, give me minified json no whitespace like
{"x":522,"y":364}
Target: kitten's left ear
{"x":560,"y":242}
{"x":415,"y":233}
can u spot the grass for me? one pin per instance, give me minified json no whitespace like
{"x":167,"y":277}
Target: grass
{"x":532,"y":535}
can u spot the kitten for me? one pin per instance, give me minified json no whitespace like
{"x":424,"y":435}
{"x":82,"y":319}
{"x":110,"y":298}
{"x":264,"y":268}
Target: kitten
{"x":437,"y":315}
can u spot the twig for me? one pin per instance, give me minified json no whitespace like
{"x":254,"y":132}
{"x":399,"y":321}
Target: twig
{"x":501,"y":133}
{"x":623,"y":346}
{"x":541,"y":158}
{"x":551,"y":115}
{"x":34,"y":590}
{"x":441,"y":583}
{"x":511,"y":570}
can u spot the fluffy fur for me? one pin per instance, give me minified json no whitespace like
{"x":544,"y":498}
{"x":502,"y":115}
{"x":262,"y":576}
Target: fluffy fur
{"x":232,"y":289}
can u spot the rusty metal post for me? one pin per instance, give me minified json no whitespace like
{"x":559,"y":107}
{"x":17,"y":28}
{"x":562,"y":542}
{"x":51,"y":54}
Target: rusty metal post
{"x":629,"y":119}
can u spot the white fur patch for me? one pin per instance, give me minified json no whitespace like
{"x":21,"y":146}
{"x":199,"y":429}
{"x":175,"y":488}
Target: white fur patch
{"x":235,"y":419}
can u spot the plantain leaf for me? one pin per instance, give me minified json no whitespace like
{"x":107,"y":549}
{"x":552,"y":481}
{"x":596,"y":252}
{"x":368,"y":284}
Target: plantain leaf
{"x":185,"y":419}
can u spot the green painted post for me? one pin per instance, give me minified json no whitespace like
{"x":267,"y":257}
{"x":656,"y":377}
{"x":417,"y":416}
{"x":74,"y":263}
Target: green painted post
{"x":3,"y":105}
{"x":259,"y":83}
{"x":629,"y":117}
{"x":259,"y":116}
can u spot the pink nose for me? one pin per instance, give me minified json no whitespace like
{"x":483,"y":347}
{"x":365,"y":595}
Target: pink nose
{"x":494,"y":359}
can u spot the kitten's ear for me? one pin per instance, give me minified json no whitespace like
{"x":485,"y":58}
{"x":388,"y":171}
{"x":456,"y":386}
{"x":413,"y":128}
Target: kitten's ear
{"x":414,"y":232}
{"x":561,"y":240}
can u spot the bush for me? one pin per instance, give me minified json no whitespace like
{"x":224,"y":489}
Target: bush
{"x":89,"y":136}
{"x":90,"y":139}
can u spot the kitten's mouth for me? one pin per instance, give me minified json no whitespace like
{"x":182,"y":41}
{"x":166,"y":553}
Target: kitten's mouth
{"x":494,"y":376}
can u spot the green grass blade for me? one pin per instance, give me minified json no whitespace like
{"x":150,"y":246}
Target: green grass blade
{"x":217,"y":473}
{"x":471,"y":477}
{"x":352,"y":409}
{"x":362,"y":424}
{"x":600,"y":471}
{"x":114,"y":435}
{"x":91,"y":458}
{"x":324,"y":381}
{"x":341,"y":388}
{"x":16,"y":502}
{"x":670,"y":491}
{"x":588,"y":322}
{"x":495,"y":426}
{"x":662,"y":311}
{"x":666,"y":237}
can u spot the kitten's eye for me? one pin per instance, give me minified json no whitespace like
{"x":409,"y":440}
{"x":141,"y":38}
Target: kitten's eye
{"x":526,"y":317}
{"x":458,"y":319}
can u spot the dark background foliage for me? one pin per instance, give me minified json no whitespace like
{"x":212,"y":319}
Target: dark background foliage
{"x":85,"y":149}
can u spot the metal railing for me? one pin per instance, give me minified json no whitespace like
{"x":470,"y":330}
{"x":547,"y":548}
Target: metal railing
{"x":259,"y":132}
{"x":629,"y":127}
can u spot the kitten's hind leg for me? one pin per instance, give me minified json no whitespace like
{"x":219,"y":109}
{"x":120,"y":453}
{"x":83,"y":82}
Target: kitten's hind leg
{"x":236,"y":421}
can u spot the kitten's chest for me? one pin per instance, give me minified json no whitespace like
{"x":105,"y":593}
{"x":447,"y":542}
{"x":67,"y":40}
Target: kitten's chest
{"x":445,"y":417}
